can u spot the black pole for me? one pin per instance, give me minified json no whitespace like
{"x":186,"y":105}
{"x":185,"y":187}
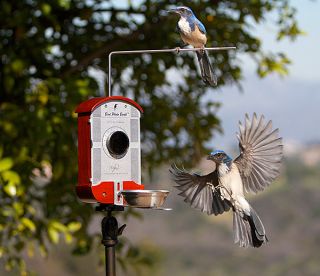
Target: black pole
{"x":110,"y":232}
{"x":110,"y":261}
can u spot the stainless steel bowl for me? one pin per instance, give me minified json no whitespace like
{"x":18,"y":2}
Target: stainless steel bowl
{"x":144,"y":198}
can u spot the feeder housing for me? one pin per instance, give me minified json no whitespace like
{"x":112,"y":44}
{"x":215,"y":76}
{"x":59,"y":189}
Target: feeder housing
{"x":109,"y":153}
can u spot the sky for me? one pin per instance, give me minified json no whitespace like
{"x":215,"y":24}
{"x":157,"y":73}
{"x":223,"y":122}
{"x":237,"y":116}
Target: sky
{"x":292,"y":102}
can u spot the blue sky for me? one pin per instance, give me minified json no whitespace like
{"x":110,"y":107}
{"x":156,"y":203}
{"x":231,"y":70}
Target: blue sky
{"x":293,"y":102}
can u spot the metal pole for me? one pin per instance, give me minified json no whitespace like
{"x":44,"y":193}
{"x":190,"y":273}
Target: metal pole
{"x":154,"y":51}
{"x":110,"y":256}
{"x":110,"y":232}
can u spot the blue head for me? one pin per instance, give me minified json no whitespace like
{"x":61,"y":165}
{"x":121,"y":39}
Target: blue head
{"x":183,"y":11}
{"x":219,"y":156}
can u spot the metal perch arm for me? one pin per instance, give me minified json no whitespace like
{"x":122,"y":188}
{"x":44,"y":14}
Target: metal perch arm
{"x":176,"y":50}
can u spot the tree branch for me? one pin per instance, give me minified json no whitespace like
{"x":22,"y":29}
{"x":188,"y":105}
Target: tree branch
{"x":85,"y":61}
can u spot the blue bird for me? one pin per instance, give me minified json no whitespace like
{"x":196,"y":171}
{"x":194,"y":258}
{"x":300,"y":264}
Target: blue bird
{"x":193,"y":33}
{"x":223,"y":189}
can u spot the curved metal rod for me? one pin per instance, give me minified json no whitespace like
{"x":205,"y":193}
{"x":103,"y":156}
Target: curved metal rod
{"x":176,"y":50}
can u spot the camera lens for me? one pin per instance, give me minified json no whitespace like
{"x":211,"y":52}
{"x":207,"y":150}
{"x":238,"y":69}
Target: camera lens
{"x":118,"y":144}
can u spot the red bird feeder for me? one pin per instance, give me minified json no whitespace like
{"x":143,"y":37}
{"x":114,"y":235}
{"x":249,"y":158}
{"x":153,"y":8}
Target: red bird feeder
{"x":109,"y":156}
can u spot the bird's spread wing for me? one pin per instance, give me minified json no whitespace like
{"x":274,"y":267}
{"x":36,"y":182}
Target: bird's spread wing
{"x":201,"y":26}
{"x":260,"y":153}
{"x":199,"y":191}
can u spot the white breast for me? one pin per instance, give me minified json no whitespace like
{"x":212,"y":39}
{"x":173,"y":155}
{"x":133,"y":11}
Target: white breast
{"x":230,"y":180}
{"x":184,"y":26}
{"x":232,"y":187}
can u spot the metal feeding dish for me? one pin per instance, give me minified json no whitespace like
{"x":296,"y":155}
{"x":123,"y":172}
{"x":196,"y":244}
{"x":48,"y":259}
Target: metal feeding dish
{"x":153,"y":199}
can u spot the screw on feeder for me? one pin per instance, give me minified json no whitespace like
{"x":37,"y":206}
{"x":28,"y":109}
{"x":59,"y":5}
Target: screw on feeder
{"x":176,"y":50}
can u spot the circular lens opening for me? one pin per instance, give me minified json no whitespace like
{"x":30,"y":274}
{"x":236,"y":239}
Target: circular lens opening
{"x":118,"y":144}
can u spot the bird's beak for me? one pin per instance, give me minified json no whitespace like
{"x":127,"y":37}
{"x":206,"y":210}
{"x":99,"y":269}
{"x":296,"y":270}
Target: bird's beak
{"x":209,"y":157}
{"x":173,"y":11}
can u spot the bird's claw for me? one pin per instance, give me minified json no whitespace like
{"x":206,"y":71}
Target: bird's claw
{"x":178,"y":50}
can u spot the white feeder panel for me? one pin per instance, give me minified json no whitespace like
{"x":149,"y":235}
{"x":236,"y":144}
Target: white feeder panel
{"x":105,"y":120}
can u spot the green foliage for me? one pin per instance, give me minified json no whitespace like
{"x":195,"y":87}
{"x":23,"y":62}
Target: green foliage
{"x":273,"y":63}
{"x":46,"y":48}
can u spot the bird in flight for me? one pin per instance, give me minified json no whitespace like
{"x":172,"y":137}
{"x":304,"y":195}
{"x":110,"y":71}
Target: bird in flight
{"x":223,"y":189}
{"x":193,"y":33}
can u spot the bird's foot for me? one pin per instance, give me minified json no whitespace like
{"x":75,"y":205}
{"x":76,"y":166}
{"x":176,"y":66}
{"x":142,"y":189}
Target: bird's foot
{"x":213,"y":188}
{"x":221,"y":187}
{"x":202,"y":49}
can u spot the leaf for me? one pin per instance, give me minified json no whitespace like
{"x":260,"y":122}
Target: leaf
{"x":29,"y":224}
{"x":7,"y":212}
{"x":46,"y":8}
{"x":58,"y":226}
{"x":17,"y":66}
{"x":42,"y":92}
{"x":68,"y":238}
{"x":43,"y":98}
{"x":6,"y":164}
{"x":53,"y":234}
{"x":11,"y":177}
{"x":74,"y":226}
{"x":64,"y":3}
{"x":10,"y":189}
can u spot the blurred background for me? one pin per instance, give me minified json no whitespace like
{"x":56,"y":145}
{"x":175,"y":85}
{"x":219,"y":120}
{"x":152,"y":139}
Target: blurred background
{"x":54,"y":56}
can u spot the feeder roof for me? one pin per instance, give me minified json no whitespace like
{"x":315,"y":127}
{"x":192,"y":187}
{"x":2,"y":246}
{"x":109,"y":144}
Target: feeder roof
{"x":91,"y":104}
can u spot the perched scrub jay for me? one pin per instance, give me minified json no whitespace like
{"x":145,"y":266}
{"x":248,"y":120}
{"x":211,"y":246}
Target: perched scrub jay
{"x":193,"y":33}
{"x":252,"y":171}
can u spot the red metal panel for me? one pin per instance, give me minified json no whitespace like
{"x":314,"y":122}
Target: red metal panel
{"x":131,"y":185}
{"x":84,"y":158}
{"x":104,"y":192}
{"x":89,"y":105}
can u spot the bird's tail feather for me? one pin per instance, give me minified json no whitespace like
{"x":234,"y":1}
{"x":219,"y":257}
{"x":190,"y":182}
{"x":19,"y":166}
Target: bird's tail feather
{"x":248,"y":230}
{"x":206,"y":69}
